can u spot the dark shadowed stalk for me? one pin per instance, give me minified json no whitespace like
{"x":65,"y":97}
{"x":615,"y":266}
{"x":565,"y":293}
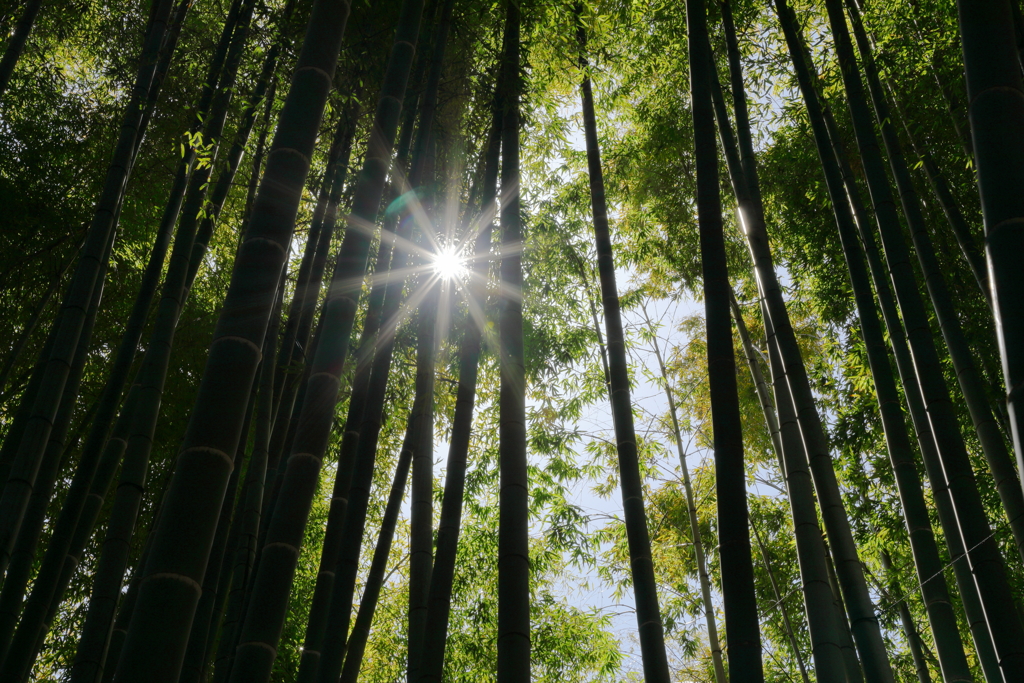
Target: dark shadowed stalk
{"x":16,"y":43}
{"x":320,"y":603}
{"x":217,"y":580}
{"x":865,"y":626}
{"x":377,"y":351}
{"x":996,"y":114}
{"x":854,"y":674}
{"x":983,"y":555}
{"x":443,"y":575}
{"x":934,"y":591}
{"x":71,"y":319}
{"x":764,"y":398}
{"x":98,"y":462}
{"x":152,"y":377}
{"x":985,"y":426}
{"x":691,"y":510}
{"x":513,"y":492}
{"x":23,"y":556}
{"x":741,"y":622}
{"x":822,"y":624}
{"x":378,"y":568}
{"x":246,"y":522}
{"x":421,"y":421}
{"x":268,"y":604}
{"x":169,"y":592}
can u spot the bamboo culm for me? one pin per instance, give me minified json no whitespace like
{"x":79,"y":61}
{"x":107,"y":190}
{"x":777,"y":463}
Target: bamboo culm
{"x":648,"y":611}
{"x":865,"y":626}
{"x":153,"y":375}
{"x":691,"y":513}
{"x":384,"y":314}
{"x":996,"y":112}
{"x":443,"y":574}
{"x":22,"y":559}
{"x":989,"y":435}
{"x":918,"y":413}
{"x":421,"y":518}
{"x":72,"y":534}
{"x":821,"y":618}
{"x":169,"y":591}
{"x":71,"y":320}
{"x":741,"y":622}
{"x":378,"y":568}
{"x":269,"y":596}
{"x":16,"y":43}
{"x":934,"y":591}
{"x":983,"y":555}
{"x":513,"y":492}
{"x":30,"y":325}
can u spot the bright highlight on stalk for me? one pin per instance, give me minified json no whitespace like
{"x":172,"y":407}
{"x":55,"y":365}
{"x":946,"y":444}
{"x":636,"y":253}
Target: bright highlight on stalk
{"x":449,"y":265}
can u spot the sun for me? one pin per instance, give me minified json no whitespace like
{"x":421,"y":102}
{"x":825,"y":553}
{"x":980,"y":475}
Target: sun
{"x":449,"y":265}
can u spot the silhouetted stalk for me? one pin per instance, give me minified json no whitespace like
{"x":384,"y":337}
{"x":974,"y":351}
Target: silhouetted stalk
{"x":760,"y":386}
{"x":950,"y":208}
{"x":74,"y":309}
{"x":985,"y":426}
{"x":24,"y":551}
{"x":363,"y":443}
{"x":983,"y":554}
{"x":691,"y":510}
{"x":648,"y":611}
{"x":246,"y":522}
{"x":301,"y":310}
{"x":996,"y":113}
{"x":915,"y":512}
{"x":320,"y":604}
{"x":378,"y":569}
{"x":779,"y":601}
{"x":16,"y":43}
{"x":268,"y":604}
{"x":443,"y":575}
{"x":169,"y":591}
{"x":513,"y":492}
{"x":914,"y":641}
{"x":421,"y":427}
{"x":822,"y":624}
{"x":853,"y":670}
{"x":867,"y":634}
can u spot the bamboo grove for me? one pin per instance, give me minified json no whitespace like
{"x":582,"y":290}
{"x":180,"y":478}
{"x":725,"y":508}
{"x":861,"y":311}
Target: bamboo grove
{"x":554,"y":340}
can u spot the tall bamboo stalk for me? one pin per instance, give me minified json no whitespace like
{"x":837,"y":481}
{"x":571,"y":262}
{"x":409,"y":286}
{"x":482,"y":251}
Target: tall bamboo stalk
{"x":25,"y":466}
{"x":443,"y":574}
{"x":16,"y":43}
{"x":821,"y":618}
{"x":983,"y":555}
{"x":513,"y":491}
{"x":850,"y":573}
{"x":927,"y":562}
{"x":691,"y":510}
{"x":378,"y":570}
{"x":421,"y":518}
{"x":741,"y":621}
{"x":269,"y":596}
{"x":985,"y":425}
{"x":648,"y":611}
{"x":996,"y":112}
{"x":169,"y":590}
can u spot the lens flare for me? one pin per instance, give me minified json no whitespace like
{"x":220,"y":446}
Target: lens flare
{"x":449,"y":265}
